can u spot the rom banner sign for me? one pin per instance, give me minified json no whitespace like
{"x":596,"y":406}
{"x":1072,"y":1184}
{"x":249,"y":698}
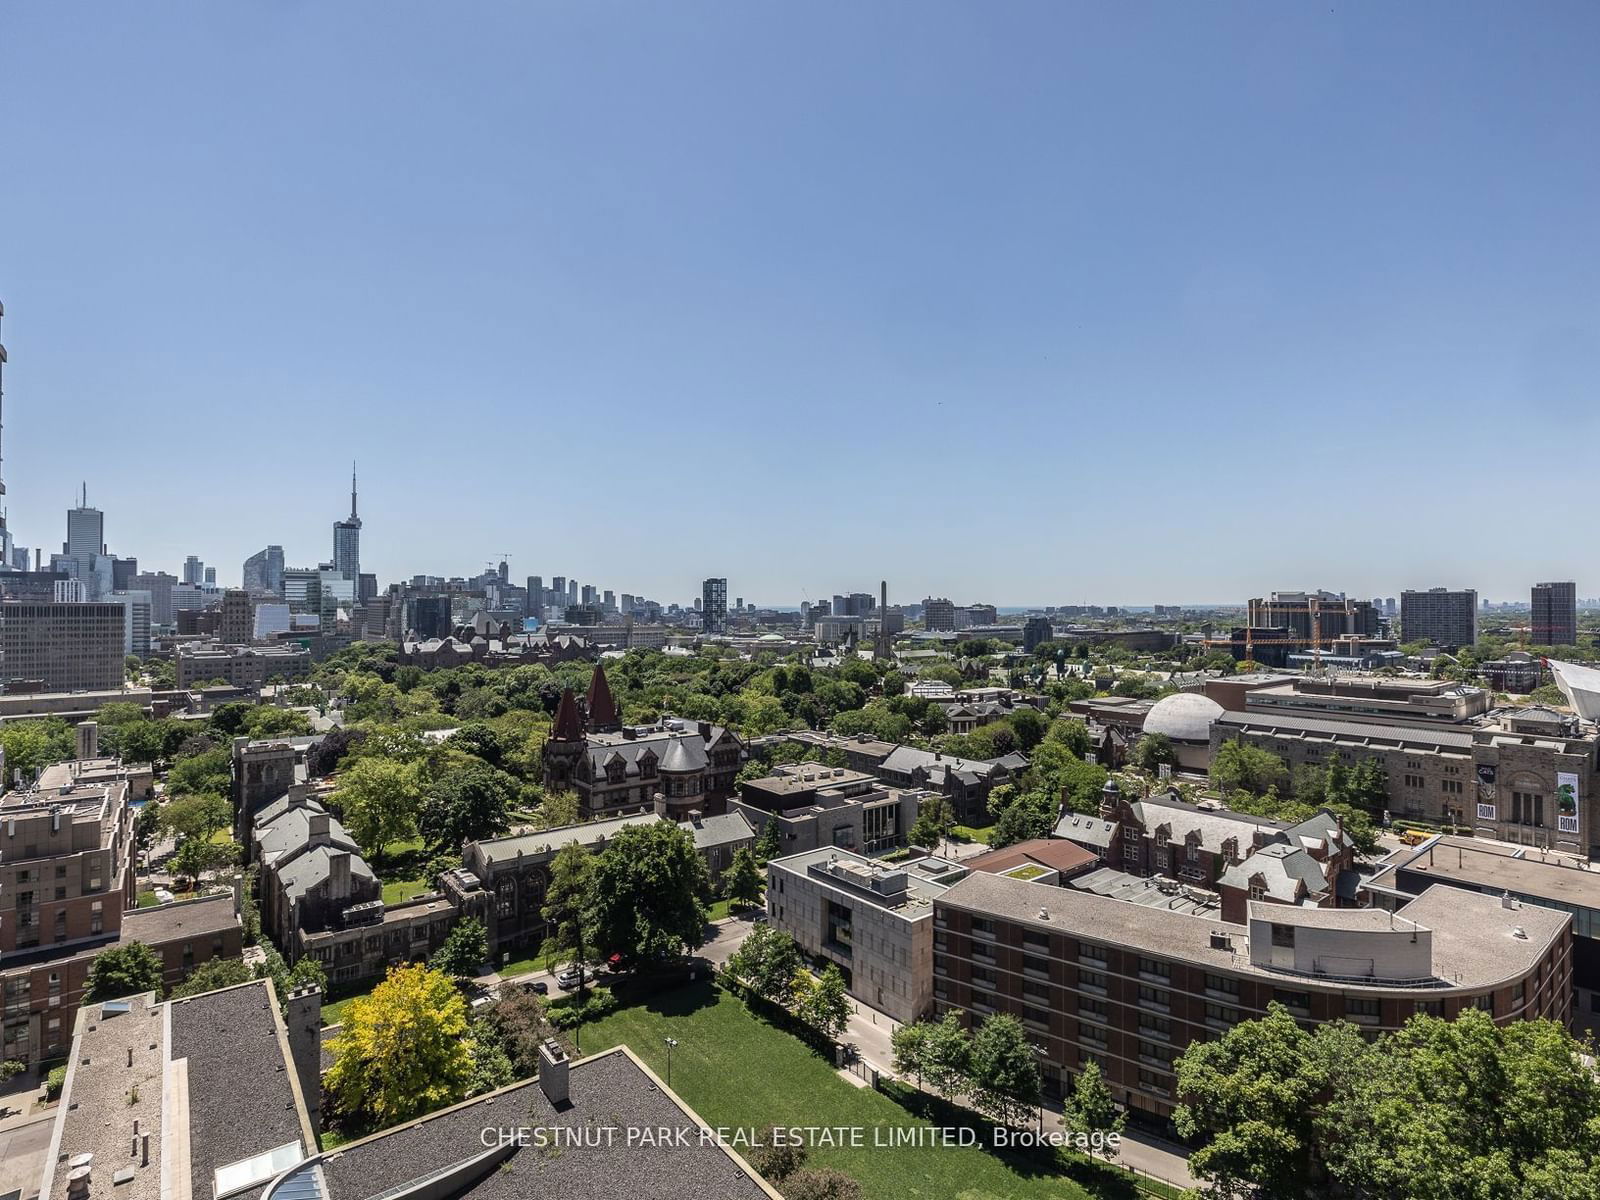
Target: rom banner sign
{"x":1486,"y":812}
{"x":1567,"y":800}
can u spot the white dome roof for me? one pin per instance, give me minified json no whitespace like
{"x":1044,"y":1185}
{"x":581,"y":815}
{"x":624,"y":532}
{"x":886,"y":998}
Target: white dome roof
{"x":1183,"y":717}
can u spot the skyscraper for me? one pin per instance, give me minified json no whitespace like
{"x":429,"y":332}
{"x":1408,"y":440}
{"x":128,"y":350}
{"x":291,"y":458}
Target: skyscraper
{"x":1555,"y":614}
{"x":86,"y":529}
{"x":263,"y":571}
{"x":714,"y":606}
{"x":193,"y":570}
{"x":1441,"y":616}
{"x":347,"y":538}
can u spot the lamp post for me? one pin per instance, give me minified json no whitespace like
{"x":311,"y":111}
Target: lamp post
{"x":1043,"y":1056}
{"x":671,"y":1042}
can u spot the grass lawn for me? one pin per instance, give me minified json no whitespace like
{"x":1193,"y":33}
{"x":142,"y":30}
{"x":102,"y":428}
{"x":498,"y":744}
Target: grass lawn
{"x":737,"y":1070}
{"x":147,"y":900}
{"x":971,"y":833}
{"x":333,"y":1010}
{"x":542,"y":961}
{"x":396,"y":890}
{"x":719,"y":910}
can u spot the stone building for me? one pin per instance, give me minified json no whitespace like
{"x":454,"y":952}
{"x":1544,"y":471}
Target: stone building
{"x":617,"y":769}
{"x":872,"y":920}
{"x":1526,"y":775}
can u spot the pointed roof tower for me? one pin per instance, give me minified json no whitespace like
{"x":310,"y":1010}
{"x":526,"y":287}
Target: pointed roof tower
{"x":569,"y":725}
{"x":602,"y":708}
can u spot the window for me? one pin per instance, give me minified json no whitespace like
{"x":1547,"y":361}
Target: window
{"x":1450,"y":787}
{"x":1258,"y":891}
{"x":982,"y":927}
{"x":1154,"y":966}
{"x":1299,"y":1002}
{"x":1036,"y":1016}
{"x":1037,"y":965}
{"x":1222,"y":983}
{"x":1484,"y":1004}
{"x":1093,"y":1008}
{"x":1221,"y":1014}
{"x":1093,"y":981}
{"x":1412,"y":781}
{"x":985,"y":976}
{"x":1155,"y":997}
{"x":1149,"y":1081}
{"x":1155,"y":1026}
{"x":1151,"y":1052}
{"x":1362,"y":1008}
{"x":1035,"y":939}
{"x":1283,"y":935}
{"x":1092,"y":1034}
{"x":1093,"y":955}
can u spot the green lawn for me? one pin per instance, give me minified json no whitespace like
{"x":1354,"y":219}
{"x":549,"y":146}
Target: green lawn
{"x":396,"y":890}
{"x":147,"y":900}
{"x":739,"y":1071}
{"x":971,"y":833}
{"x":719,"y":910}
{"x":542,"y":961}
{"x":333,"y":1010}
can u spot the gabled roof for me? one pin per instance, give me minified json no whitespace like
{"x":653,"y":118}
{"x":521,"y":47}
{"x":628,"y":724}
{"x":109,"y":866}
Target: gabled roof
{"x":1288,"y":873}
{"x":724,"y":830}
{"x":279,"y":841}
{"x":306,"y":871}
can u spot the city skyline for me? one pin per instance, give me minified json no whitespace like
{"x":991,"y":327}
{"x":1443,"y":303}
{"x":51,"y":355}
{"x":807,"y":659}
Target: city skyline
{"x":1148,"y":270}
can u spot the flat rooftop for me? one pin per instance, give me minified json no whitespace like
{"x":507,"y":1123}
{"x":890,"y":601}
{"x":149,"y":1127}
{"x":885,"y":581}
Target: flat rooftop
{"x":806,"y":778}
{"x":208,"y":1079}
{"x":1475,"y":944}
{"x":1498,"y":867}
{"x":925,"y":879}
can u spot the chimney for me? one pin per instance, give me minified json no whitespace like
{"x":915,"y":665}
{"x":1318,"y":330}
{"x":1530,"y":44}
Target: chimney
{"x":659,"y":804}
{"x":88,"y":740}
{"x":553,"y":1064}
{"x":705,"y":730}
{"x":339,"y":874}
{"x":318,"y":834}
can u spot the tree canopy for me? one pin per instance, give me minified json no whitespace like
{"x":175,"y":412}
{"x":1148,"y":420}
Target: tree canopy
{"x":645,"y":899}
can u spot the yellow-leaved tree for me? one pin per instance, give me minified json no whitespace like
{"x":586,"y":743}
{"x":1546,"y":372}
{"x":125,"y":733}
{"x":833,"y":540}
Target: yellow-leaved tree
{"x":403,"y":1051}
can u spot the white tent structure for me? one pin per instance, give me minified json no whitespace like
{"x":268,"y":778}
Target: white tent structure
{"x":1580,"y":685}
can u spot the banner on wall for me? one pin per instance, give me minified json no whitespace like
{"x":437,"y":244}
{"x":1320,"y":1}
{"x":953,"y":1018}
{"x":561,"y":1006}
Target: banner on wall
{"x":1567,"y":801}
{"x":1486,"y":812}
{"x":1486,"y":784}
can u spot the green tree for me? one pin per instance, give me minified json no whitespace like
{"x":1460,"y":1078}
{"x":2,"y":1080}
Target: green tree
{"x":645,"y":900}
{"x":558,"y":810}
{"x":138,"y":741}
{"x":467,"y":805}
{"x":209,"y":772}
{"x":566,"y":900}
{"x":935,"y":820}
{"x":826,"y":1006}
{"x":269,"y":721}
{"x":520,"y":1023}
{"x":768,"y":845}
{"x":124,"y":970}
{"x":209,"y":976}
{"x":1256,"y":1095}
{"x":1238,"y":767}
{"x":743,"y":882}
{"x":1005,"y":1070}
{"x":1023,"y":817}
{"x":767,"y":961}
{"x":947,"y":1056}
{"x":1152,"y":751}
{"x":403,"y":1050}
{"x":198,"y":856}
{"x":1090,"y":1108}
{"x":379,"y":799}
{"x":31,"y":746}
{"x":1072,"y":734}
{"x":779,"y":1156}
{"x":1467,"y":1108}
{"x":196,"y":816}
{"x":464,"y":950}
{"x":910,"y":1046}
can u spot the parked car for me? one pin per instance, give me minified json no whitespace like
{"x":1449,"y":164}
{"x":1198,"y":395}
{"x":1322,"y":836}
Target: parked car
{"x":537,"y":986}
{"x":572,"y":977}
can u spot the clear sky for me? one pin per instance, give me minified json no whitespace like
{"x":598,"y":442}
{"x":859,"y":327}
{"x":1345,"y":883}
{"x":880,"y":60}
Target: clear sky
{"x":1026,"y":303}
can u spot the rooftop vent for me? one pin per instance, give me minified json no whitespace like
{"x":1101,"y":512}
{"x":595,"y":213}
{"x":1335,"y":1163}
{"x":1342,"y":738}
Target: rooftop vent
{"x":1044,"y":914}
{"x":1517,"y":931}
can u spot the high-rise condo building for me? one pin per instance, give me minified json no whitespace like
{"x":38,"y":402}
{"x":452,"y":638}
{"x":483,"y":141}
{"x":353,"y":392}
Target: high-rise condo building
{"x":1439,"y":615}
{"x":714,"y":605}
{"x":1555,"y":614}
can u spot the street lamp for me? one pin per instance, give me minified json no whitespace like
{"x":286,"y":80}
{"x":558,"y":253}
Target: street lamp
{"x":1044,"y":1057}
{"x":671,"y":1042}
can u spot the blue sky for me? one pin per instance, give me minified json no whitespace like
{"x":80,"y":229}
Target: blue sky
{"x":1032,"y":303}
